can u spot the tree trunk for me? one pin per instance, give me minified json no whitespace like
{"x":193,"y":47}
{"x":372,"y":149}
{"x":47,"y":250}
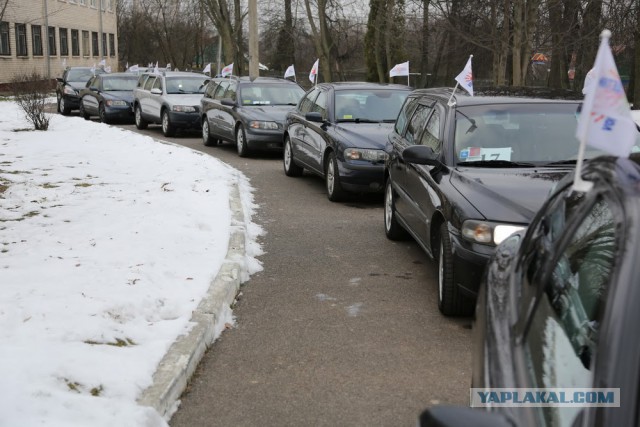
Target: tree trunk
{"x":518,"y":41}
{"x":424,"y":48}
{"x":589,"y":40}
{"x":503,"y":49}
{"x":635,"y":84}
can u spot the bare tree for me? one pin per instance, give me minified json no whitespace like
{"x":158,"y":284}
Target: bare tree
{"x":3,"y":7}
{"x":228,"y":23}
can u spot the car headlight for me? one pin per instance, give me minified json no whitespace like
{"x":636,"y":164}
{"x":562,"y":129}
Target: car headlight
{"x":184,"y":108}
{"x":364,"y":154}
{"x":116,"y":103}
{"x":68,"y":90}
{"x":257,"y":124}
{"x":488,"y":232}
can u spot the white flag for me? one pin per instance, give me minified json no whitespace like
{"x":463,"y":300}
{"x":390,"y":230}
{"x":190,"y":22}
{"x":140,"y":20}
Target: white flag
{"x":313,"y":74}
{"x":290,"y":72}
{"x":605,"y":121}
{"x":103,"y":62}
{"x":168,"y":67}
{"x":134,"y":68}
{"x":400,"y":70}
{"x":227,"y":70}
{"x":107,"y":69}
{"x":465,"y":78}
{"x":64,"y":63}
{"x":207,"y":69}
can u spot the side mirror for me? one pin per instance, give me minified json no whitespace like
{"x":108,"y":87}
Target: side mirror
{"x":93,"y":89}
{"x":454,"y":416}
{"x":156,"y":91}
{"x":60,"y":79}
{"x":420,"y":155}
{"x":314,"y":117}
{"x":228,"y":102}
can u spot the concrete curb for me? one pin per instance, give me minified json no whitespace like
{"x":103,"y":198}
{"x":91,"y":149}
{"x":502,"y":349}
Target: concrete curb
{"x":182,"y":358}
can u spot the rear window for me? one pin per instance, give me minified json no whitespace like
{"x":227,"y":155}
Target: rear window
{"x":270,"y":94}
{"x":119,"y":83}
{"x":377,"y":105}
{"x":186,"y":84}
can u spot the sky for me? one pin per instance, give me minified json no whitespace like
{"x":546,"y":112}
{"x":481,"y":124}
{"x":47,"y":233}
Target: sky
{"x":108,"y":241}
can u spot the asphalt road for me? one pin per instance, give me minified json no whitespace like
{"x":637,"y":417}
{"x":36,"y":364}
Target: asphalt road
{"x":341,"y":328}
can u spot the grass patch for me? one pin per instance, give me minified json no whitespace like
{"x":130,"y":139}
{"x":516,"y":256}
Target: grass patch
{"x":49,"y":185}
{"x":84,"y":184}
{"x":117,"y":343}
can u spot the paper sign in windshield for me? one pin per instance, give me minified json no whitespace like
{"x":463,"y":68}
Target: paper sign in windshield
{"x":475,"y":154}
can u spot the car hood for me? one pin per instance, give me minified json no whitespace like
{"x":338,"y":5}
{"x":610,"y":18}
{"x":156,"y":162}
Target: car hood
{"x":192,"y":99}
{"x":77,"y":85}
{"x":506,"y":195}
{"x":364,"y":135}
{"x":125,"y":95}
{"x":273,"y":113}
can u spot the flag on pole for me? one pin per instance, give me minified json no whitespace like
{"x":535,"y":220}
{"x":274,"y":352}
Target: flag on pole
{"x":134,"y":68}
{"x":400,"y":70}
{"x":290,"y":72}
{"x":313,"y":74}
{"x":102,"y":63}
{"x":465,"y":78}
{"x":64,"y":63}
{"x":207,"y":69}
{"x":168,"y":67}
{"x":126,"y":67}
{"x":227,"y":70}
{"x":156,"y":70}
{"x":605,"y":121}
{"x":107,"y":69}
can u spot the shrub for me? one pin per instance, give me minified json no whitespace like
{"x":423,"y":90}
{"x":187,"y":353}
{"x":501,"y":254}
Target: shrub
{"x":30,"y":92}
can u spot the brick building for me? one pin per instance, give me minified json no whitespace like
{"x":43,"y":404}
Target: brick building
{"x":47,"y":35}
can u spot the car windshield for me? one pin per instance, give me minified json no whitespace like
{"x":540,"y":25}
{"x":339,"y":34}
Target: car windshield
{"x":81,"y":75}
{"x":186,"y":84}
{"x":270,"y":94}
{"x":127,"y":83}
{"x":534,"y":133}
{"x":369,"y":105}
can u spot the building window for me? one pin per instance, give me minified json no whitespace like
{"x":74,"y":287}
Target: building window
{"x":5,"y":46}
{"x":104,"y":44}
{"x":36,"y":38}
{"x":86,"y":48}
{"x":102,"y":3}
{"x":64,"y":42}
{"x":75,"y":43}
{"x":52,"y":41}
{"x":21,"y":40}
{"x":92,"y":3}
{"x":110,"y":5}
{"x":83,"y":2}
{"x":112,"y":45}
{"x":94,"y":44}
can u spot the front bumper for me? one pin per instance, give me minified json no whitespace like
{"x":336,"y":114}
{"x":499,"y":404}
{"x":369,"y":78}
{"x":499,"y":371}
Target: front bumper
{"x":119,"y":113}
{"x":361,"y":177}
{"x":185,"y":120}
{"x":71,"y":101}
{"x":469,"y":262}
{"x":265,"y":139}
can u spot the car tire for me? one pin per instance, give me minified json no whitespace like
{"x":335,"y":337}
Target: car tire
{"x":241,"y":142}
{"x":83,"y":112}
{"x":206,"y":134}
{"x":451,"y":302}
{"x":103,"y":114}
{"x":335,"y":192}
{"x":392,"y":229}
{"x":141,"y":123}
{"x":167,"y":128}
{"x":291,"y":168}
{"x":58,"y":103}
{"x":63,"y":108}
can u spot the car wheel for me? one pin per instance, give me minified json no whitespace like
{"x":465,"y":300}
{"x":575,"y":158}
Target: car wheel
{"x":167,"y":127}
{"x":241,"y":142}
{"x":58,"y":103}
{"x":140,"y":122}
{"x":291,"y":168}
{"x":206,"y":134}
{"x":392,"y":228}
{"x":450,"y":300}
{"x":63,"y":108}
{"x":335,"y":193}
{"x":83,"y":112}
{"x":103,"y":114}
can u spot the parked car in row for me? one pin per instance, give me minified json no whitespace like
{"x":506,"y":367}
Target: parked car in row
{"x":557,"y":307}
{"x":68,"y":87}
{"x":464,"y":175}
{"x":251,"y":114}
{"x":339,"y":132}
{"x":109,"y":96}
{"x":171,"y":99}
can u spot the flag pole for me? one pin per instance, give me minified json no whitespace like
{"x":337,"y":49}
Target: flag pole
{"x":408,"y":74}
{"x":452,"y":93}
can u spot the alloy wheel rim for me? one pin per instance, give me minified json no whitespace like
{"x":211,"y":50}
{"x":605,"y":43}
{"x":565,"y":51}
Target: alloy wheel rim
{"x":138,"y":116}
{"x":440,"y":271}
{"x":330,"y":177}
{"x":165,"y":122}
{"x":387,"y":208}
{"x":62,"y":104}
{"x":287,"y":155}
{"x":103,"y":115}
{"x":240,"y":140}
{"x":205,"y":131}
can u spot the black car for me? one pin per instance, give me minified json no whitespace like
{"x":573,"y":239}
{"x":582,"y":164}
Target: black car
{"x":339,"y":132}
{"x":465,"y":173}
{"x":68,"y":88}
{"x":558,"y":305}
{"x":109,"y":96}
{"x":248,"y":113}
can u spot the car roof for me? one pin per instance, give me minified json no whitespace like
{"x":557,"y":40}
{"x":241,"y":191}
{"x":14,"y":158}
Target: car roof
{"x":182,"y":74}
{"x":502,"y":95}
{"x":123,"y":74}
{"x":247,"y":79}
{"x":363,"y":85}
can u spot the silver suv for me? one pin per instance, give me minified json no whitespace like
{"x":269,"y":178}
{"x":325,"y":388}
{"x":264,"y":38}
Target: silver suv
{"x":171,"y":99}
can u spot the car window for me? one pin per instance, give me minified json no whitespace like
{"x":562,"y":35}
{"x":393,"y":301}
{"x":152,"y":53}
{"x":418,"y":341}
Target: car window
{"x":562,"y":336}
{"x":403,"y":116}
{"x":320,"y":105}
{"x":307,"y":101}
{"x":270,"y":94}
{"x":93,"y":82}
{"x":417,"y":123}
{"x":185,"y":84}
{"x":431,"y":134}
{"x":348,"y":106}
{"x":211,"y":88}
{"x":219,"y":93}
{"x":142,"y":79}
{"x":119,"y":83}
{"x":149,"y":83}
{"x":81,"y":74}
{"x":158,"y":83}
{"x":231,"y":91}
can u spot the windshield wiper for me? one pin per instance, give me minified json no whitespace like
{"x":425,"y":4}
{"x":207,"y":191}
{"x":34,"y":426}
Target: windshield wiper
{"x":358,"y":120}
{"x":562,"y":162}
{"x":496,"y":164}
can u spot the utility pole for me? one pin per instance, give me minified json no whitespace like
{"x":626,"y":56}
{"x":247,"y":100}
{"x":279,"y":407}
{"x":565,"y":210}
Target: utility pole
{"x":254,"y":67}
